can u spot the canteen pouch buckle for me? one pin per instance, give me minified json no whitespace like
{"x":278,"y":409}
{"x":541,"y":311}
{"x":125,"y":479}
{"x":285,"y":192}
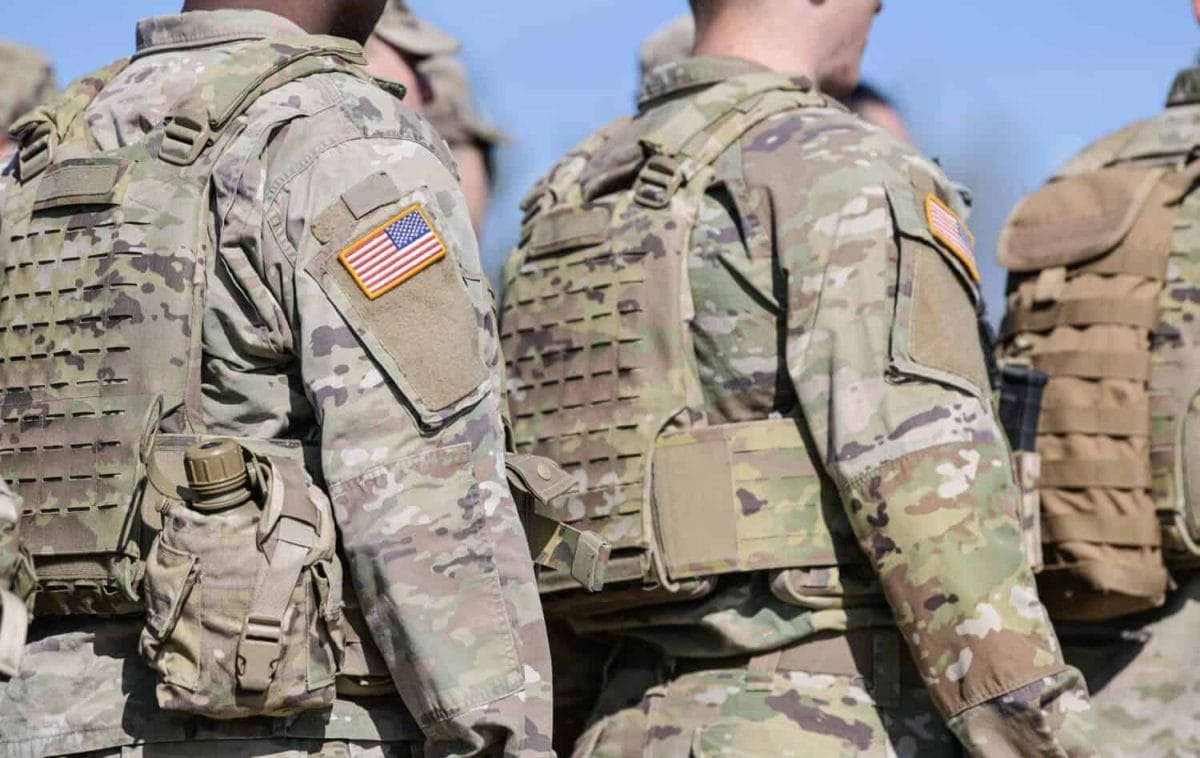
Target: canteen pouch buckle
{"x":259,"y":651}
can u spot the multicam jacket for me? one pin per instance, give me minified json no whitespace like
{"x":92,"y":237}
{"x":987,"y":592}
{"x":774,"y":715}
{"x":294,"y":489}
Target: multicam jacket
{"x":828,"y":286}
{"x":409,"y":431}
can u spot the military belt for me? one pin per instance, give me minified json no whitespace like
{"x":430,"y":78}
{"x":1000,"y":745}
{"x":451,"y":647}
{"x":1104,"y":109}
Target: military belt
{"x":877,"y":655}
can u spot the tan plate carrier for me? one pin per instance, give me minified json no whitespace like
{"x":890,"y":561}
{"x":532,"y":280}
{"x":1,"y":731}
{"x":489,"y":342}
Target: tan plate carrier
{"x":1095,"y":261}
{"x":602,"y":374}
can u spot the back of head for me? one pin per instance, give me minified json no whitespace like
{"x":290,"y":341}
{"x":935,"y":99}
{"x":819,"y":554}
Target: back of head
{"x":28,"y":80}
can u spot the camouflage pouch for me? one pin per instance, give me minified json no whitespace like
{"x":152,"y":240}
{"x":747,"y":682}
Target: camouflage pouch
{"x":243,"y":585}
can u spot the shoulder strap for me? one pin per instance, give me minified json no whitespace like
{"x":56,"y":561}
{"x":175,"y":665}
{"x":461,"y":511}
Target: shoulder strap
{"x":557,"y":185}
{"x":56,"y":121}
{"x":692,"y":140}
{"x":229,"y":88}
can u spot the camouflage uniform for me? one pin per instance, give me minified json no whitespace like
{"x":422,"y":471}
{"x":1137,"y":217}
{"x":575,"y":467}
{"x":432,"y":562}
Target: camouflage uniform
{"x":1141,"y":669}
{"x":428,"y":531}
{"x":808,"y":271}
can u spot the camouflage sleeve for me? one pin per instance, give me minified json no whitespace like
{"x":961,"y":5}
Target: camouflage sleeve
{"x":405,"y":384}
{"x":885,"y":357}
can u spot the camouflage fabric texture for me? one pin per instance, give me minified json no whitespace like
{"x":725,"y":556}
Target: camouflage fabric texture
{"x":1140,"y":669}
{"x":820,"y":294}
{"x":407,"y":434}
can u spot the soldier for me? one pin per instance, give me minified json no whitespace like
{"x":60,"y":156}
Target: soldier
{"x":243,"y":304}
{"x":28,"y":79}
{"x":746,"y":323}
{"x":1101,"y":342}
{"x":410,"y":50}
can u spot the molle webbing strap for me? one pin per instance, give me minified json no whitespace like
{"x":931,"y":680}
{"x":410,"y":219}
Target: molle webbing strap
{"x":1084,"y":474}
{"x":1117,"y":421}
{"x":690,"y":141}
{"x":1113,"y":529}
{"x":1078,"y":313}
{"x":1086,"y":364}
{"x":230,"y":87}
{"x":57,"y":121}
{"x":295,"y":534}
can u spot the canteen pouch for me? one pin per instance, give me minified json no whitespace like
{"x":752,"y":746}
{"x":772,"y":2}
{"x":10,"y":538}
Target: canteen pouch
{"x":1087,"y":257}
{"x":243,"y":605}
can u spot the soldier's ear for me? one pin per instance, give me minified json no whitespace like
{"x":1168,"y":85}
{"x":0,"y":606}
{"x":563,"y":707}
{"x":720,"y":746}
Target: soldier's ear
{"x":1196,"y":8}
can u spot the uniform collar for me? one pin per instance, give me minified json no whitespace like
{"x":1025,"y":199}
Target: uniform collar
{"x":672,"y":78}
{"x":1186,"y":89}
{"x":207,"y":28}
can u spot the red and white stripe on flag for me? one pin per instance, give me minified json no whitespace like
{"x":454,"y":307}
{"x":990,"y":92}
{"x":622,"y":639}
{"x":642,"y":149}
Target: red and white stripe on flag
{"x":396,"y":251}
{"x":949,"y":229}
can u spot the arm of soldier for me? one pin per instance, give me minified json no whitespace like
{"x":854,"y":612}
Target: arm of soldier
{"x":884,"y":353}
{"x":405,"y":386}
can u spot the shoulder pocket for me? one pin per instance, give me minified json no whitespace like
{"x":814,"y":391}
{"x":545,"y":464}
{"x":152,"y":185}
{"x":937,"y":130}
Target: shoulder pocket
{"x":936,"y":332}
{"x":392,"y":272}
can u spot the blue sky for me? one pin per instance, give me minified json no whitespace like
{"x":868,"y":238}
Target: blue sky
{"x":1000,"y":92}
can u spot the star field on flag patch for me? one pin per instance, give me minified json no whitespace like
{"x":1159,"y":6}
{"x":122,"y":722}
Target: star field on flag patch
{"x":395,"y":252}
{"x":950,"y":230}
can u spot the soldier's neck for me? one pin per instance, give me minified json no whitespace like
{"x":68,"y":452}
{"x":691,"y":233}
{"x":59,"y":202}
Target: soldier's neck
{"x":763,"y":47}
{"x":312,"y":17}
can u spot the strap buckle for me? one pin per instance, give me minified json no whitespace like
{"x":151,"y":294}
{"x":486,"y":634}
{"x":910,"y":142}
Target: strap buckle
{"x":590,"y":563}
{"x":259,"y":651}
{"x":658,"y":181}
{"x":37,"y":150}
{"x":184,"y":137}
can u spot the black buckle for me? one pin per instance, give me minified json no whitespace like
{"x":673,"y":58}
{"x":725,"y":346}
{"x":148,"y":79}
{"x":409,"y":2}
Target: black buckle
{"x":658,"y":181}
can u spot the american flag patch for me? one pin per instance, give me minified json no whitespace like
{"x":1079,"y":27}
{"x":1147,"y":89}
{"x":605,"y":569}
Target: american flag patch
{"x":395,"y":252}
{"x":950,"y":230}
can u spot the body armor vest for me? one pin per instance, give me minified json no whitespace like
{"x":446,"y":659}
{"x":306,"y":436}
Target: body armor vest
{"x":603,"y":376}
{"x":1103,"y":264}
{"x":104,"y":256}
